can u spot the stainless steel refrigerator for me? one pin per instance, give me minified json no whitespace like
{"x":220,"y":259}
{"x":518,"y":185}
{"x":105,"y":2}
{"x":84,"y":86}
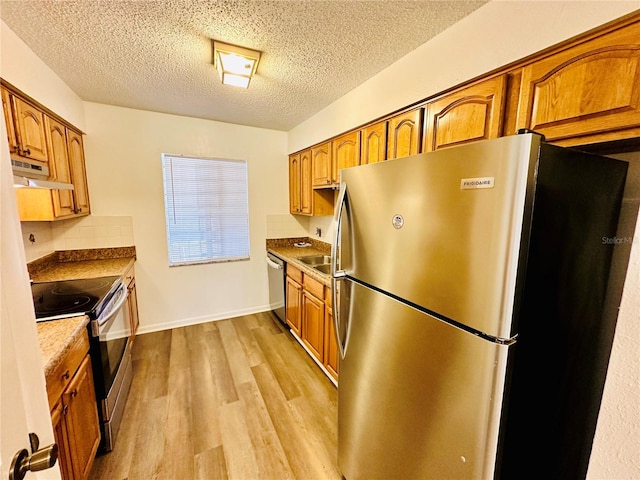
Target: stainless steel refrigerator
{"x":470,"y":286}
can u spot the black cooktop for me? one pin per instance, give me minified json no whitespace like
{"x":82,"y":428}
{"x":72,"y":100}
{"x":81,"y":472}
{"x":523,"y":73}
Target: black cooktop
{"x":66,"y":298}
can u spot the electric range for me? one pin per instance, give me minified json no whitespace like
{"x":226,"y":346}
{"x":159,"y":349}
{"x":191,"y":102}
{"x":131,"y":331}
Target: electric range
{"x":68,"y":298}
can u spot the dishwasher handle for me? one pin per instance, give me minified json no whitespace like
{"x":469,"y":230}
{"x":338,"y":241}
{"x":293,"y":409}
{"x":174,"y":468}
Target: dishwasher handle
{"x":273,"y":264}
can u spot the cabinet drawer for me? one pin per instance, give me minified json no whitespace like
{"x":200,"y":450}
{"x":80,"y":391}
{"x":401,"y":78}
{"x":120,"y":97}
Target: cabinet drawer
{"x":294,"y":273}
{"x":314,"y":287}
{"x":60,"y":377}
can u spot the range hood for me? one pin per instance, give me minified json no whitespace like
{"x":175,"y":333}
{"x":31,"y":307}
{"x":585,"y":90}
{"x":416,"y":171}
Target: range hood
{"x":26,"y":174}
{"x":19,"y":181}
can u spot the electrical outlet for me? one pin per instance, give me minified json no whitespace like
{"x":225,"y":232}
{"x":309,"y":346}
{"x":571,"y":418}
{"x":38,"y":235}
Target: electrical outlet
{"x":32,"y":238}
{"x":318,"y":231}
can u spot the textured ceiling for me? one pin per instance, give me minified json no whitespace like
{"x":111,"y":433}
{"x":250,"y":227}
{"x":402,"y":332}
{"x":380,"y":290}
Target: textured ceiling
{"x":157,"y":55}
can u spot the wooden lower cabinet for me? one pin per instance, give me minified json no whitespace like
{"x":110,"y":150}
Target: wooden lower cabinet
{"x":309,"y":314}
{"x":76,"y":425}
{"x":74,"y":413}
{"x":312,"y":333}
{"x":61,"y":439}
{"x":132,"y":302}
{"x":294,"y":303}
{"x":330,"y":344}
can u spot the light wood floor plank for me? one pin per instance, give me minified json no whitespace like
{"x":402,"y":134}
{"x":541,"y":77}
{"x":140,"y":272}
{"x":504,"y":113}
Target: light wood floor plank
{"x":237,"y":399}
{"x":205,"y":401}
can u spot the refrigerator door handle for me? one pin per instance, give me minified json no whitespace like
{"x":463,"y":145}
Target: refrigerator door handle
{"x":336,"y":316}
{"x":340,"y":206}
{"x":338,"y":276}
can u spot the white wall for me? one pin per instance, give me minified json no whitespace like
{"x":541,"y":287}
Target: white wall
{"x":123,"y":150}
{"x":496,"y":34}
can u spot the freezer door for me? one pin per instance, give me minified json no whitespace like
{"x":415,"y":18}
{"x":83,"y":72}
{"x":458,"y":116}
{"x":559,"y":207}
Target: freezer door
{"x":418,"y":398}
{"x":443,"y":230}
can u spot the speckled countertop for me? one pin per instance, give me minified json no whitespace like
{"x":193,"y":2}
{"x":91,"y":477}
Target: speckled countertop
{"x":56,"y":336}
{"x":69,"y":265}
{"x":285,"y":249}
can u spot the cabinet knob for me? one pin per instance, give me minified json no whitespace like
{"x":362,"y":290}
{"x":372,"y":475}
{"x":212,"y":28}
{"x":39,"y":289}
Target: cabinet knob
{"x":41,"y":459}
{"x":66,"y":375}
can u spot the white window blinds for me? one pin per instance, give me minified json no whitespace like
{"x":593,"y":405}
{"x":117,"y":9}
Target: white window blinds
{"x":206,"y":209}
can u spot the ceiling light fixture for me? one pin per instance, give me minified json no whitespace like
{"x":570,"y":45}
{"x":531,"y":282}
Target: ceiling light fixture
{"x":235,"y":65}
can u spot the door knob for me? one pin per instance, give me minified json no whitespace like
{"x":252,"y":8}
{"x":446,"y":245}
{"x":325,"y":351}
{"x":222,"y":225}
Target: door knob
{"x":40,"y":459}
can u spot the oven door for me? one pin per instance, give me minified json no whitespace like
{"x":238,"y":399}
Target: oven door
{"x":110,"y":347}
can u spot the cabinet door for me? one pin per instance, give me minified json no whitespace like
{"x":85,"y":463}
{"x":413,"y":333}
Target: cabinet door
{"x":313,"y":324}
{"x":294,"y":304}
{"x":306,"y":188}
{"x":374,"y":143}
{"x":63,"y":203}
{"x":405,"y":134}
{"x":294,"y":183}
{"x":30,"y":130}
{"x":345,"y":153}
{"x":585,"y":94}
{"x":132,"y":305}
{"x":78,"y":175}
{"x":83,"y":427}
{"x":330,"y":344}
{"x":321,"y":165}
{"x":8,"y":117}
{"x":58,"y":415}
{"x":466,"y":115}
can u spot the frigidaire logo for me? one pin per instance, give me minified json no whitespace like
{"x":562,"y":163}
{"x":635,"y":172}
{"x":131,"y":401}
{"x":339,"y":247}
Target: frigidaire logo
{"x":479,"y":182}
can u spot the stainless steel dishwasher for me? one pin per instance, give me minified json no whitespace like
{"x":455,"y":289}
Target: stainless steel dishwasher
{"x":277,"y":271}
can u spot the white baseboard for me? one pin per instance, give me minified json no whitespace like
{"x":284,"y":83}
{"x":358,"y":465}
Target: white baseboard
{"x":157,"y":327}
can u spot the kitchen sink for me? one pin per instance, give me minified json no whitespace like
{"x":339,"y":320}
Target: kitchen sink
{"x":313,"y":260}
{"x":324,"y":268}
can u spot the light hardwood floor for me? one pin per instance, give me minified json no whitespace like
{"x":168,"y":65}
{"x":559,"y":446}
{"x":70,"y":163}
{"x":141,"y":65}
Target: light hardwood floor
{"x":232,"y":399}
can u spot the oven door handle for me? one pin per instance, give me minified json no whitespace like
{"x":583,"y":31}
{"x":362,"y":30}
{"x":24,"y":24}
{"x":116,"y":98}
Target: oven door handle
{"x":100,"y":323}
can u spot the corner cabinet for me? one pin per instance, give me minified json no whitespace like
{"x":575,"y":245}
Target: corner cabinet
{"x":587,"y":93}
{"x":467,"y":115}
{"x":74,"y":413}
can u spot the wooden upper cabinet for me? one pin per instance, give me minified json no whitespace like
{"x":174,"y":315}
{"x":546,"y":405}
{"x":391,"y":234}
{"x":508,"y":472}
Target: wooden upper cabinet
{"x":586,"y":93}
{"x":466,"y":115}
{"x":306,"y":190}
{"x":8,"y":116}
{"x":30,"y":130}
{"x":294,"y":183}
{"x":405,"y":133}
{"x":345,"y":153}
{"x":75,"y":147}
{"x":321,"y":165}
{"x":373,"y":141}
{"x":59,"y":169}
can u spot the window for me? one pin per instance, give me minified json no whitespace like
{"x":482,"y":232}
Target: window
{"x":206,"y":209}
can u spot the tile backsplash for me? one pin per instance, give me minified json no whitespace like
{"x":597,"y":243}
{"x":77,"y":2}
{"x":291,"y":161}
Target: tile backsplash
{"x":42,"y":238}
